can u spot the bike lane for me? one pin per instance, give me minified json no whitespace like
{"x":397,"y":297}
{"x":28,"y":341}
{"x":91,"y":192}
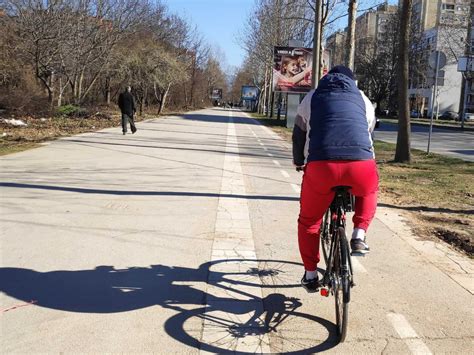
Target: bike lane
{"x":400,"y":304}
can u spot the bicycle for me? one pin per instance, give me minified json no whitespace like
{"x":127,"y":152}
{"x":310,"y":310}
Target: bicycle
{"x":338,"y":278}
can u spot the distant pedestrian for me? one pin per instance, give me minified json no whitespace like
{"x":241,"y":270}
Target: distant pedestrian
{"x":127,"y":107}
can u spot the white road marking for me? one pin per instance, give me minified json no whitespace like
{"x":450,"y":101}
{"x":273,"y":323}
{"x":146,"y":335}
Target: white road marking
{"x":234,"y":248}
{"x":261,"y":143}
{"x":284,"y":173}
{"x":296,"y":188}
{"x":276,"y":162}
{"x":357,"y":266}
{"x":406,"y":332}
{"x":270,"y":154}
{"x":270,"y":132}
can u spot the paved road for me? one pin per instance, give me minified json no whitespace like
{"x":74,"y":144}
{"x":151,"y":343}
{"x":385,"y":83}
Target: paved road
{"x":443,"y":141}
{"x":181,"y":239}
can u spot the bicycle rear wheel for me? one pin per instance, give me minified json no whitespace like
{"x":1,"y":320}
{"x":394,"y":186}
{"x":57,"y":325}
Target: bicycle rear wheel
{"x":342,"y":284}
{"x":325,"y":236}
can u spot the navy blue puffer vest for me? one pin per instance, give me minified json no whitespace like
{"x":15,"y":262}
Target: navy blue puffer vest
{"x":338,"y":123}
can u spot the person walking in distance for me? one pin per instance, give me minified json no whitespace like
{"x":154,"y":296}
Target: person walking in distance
{"x":332,"y":142}
{"x":127,"y":107}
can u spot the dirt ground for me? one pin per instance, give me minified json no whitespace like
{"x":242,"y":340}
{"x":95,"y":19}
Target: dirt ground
{"x":41,"y":129}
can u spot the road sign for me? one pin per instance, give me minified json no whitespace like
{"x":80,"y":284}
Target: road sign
{"x":432,"y":59}
{"x":465,"y":64}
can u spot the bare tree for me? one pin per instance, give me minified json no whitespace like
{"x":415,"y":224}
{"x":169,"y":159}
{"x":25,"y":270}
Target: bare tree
{"x":376,"y":61}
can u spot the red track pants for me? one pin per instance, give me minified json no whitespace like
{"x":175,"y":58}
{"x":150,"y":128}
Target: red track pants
{"x":316,"y":196}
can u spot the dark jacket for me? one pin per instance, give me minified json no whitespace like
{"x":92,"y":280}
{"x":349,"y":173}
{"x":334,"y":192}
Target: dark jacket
{"x":127,"y":103}
{"x":339,"y":123}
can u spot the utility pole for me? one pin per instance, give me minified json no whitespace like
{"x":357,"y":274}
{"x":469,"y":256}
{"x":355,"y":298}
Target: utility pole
{"x":316,"y":44}
{"x":435,"y":100}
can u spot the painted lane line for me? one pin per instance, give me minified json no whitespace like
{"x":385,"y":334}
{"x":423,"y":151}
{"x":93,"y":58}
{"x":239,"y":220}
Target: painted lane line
{"x":406,"y":332}
{"x":270,"y":154}
{"x":284,"y":173}
{"x":276,"y":162}
{"x":296,"y":188}
{"x":233,"y":250}
{"x":261,"y":144}
{"x":358,"y":267}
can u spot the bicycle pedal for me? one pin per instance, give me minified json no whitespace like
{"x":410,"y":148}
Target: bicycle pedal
{"x":358,"y":254}
{"x":324,"y":292}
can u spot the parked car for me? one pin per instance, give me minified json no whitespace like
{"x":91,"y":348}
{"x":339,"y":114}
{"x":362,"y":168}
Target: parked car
{"x":377,"y":122}
{"x":415,"y":114}
{"x":449,"y":115}
{"x":468,"y":116}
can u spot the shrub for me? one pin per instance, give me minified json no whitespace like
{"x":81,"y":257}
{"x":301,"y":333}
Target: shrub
{"x":67,"y":110}
{"x":72,"y":111}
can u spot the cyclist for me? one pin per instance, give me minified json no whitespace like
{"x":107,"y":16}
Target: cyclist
{"x":332,"y":142}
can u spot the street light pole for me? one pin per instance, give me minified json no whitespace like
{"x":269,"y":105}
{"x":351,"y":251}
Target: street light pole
{"x":316,"y":44}
{"x":466,"y":88}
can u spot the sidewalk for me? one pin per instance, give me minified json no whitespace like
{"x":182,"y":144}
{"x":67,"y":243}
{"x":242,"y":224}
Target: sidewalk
{"x":182,"y":239}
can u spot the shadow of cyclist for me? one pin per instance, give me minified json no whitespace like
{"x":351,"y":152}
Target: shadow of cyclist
{"x":106,"y":289}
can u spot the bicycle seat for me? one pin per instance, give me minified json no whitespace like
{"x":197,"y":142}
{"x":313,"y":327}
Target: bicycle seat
{"x":341,"y":188}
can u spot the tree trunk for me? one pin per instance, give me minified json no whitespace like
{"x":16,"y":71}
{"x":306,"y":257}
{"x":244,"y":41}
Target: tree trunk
{"x":163,"y":99}
{"x":107,"y":91}
{"x":193,"y":81}
{"x":79,"y":89}
{"x":402,"y":153}
{"x":263,"y":94}
{"x":60,"y":93}
{"x":350,"y":44}
{"x":185,"y":97}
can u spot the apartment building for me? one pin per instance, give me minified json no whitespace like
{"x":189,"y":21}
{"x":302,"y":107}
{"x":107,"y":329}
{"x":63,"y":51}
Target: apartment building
{"x":443,"y":27}
{"x":369,"y":29}
{"x":335,"y":45}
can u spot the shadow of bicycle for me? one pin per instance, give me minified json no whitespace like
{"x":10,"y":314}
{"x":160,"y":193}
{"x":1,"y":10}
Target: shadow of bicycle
{"x":235,"y":317}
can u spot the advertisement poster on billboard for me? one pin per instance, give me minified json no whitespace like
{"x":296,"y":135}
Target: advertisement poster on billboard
{"x":216,"y":94}
{"x":326,"y":62}
{"x":249,"y":93}
{"x":292,"y":69}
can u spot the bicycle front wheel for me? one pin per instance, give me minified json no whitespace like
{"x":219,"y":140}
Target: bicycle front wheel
{"x":342,"y":284}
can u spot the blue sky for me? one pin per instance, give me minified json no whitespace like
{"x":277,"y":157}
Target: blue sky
{"x":218,"y":20}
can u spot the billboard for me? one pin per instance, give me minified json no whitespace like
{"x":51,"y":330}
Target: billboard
{"x":292,"y":69}
{"x":249,"y":93}
{"x":216,"y":94}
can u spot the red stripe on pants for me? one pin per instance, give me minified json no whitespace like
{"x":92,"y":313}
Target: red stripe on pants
{"x":316,"y":196}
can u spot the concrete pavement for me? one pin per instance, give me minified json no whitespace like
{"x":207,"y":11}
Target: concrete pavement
{"x":182,"y":239}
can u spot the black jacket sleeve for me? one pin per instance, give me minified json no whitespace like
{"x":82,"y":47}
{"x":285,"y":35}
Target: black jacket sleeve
{"x":120,"y":101}
{"x":299,"y":141}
